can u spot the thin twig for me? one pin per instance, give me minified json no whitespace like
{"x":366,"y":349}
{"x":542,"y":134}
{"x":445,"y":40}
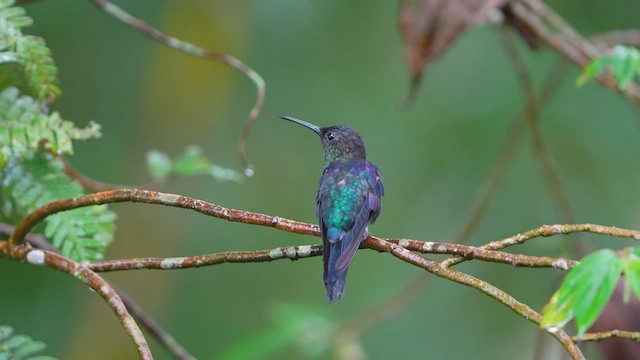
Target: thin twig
{"x":478,"y":253}
{"x":85,"y":181}
{"x":477,"y":211}
{"x":199,"y":52}
{"x":153,"y":197}
{"x":298,"y":252}
{"x":173,"y":263}
{"x":468,"y":280}
{"x":252,"y":218}
{"x":485,"y":194}
{"x":567,"y":42}
{"x":95,"y":185}
{"x":550,"y":230}
{"x":532,"y":110}
{"x":629,"y":37}
{"x":561,"y":25}
{"x":161,"y":335}
{"x":83,"y":273}
{"x":147,"y":322}
{"x":304,"y":251}
{"x":532,"y":116}
{"x":599,"y":336}
{"x":33,"y":239}
{"x":440,"y":269}
{"x":413,"y":287}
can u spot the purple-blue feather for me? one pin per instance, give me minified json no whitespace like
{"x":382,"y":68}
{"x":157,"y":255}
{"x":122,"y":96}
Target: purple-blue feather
{"x":348,"y":200}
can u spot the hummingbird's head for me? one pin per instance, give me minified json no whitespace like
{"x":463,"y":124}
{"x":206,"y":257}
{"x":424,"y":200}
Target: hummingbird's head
{"x":338,"y":142}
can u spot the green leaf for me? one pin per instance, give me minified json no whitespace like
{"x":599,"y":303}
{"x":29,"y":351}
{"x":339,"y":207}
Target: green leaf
{"x":624,"y":62}
{"x":30,"y":348}
{"x":225,"y":174}
{"x":20,"y":347}
{"x":21,"y":21}
{"x":584,"y":292}
{"x":6,"y":3}
{"x":159,"y":164}
{"x":81,"y":234}
{"x":24,"y":128}
{"x":39,"y":72}
{"x":592,"y":69}
{"x":632,"y":271}
{"x":25,"y":60}
{"x":11,"y":11}
{"x":5,"y":332}
{"x":191,"y":163}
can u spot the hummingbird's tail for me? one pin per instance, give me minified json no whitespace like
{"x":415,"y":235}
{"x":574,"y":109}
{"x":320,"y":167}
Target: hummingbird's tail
{"x":339,"y":249}
{"x":335,"y":285}
{"x":335,"y":276}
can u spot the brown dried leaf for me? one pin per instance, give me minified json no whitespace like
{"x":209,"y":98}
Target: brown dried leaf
{"x":428,"y":27}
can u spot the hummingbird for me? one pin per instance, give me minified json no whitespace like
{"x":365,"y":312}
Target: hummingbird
{"x":348,"y":199}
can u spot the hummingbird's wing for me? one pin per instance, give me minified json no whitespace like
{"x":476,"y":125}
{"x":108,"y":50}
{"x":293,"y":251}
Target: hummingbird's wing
{"x":369,"y":211}
{"x":348,"y":199}
{"x":376,"y":191}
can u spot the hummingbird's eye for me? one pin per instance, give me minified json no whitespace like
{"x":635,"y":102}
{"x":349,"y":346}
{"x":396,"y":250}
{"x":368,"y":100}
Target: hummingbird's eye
{"x":331,"y":136}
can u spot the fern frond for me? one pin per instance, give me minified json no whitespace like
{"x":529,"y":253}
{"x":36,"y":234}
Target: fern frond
{"x":24,"y":127}
{"x":40,"y":71}
{"x":80,"y":234}
{"x":20,"y":347}
{"x":25,"y":60}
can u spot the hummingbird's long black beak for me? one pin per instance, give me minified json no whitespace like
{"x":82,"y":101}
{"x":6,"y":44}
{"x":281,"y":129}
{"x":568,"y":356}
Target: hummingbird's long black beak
{"x":314,"y":128}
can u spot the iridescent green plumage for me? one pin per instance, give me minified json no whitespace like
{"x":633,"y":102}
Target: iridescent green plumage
{"x":348,"y":200}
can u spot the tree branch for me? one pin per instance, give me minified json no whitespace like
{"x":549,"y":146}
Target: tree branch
{"x":478,"y":253}
{"x":599,"y":336}
{"x":83,"y":273}
{"x":153,"y":197}
{"x":252,"y":218}
{"x":567,"y":41}
{"x":162,"y":336}
{"x":304,"y":251}
{"x":441,"y":269}
{"x":199,"y":52}
{"x":476,"y":211}
{"x":629,"y":37}
{"x":542,"y":19}
{"x":550,"y":230}
{"x":445,"y":272}
{"x":173,"y":263}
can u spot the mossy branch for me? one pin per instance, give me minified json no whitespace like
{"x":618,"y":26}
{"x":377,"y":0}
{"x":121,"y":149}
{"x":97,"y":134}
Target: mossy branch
{"x":400,"y":248}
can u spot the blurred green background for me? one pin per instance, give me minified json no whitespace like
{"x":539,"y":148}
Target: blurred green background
{"x":329,"y":62}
